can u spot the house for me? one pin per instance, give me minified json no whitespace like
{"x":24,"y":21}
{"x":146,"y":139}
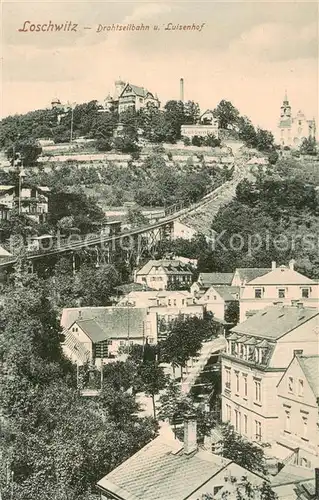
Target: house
{"x":33,"y":201}
{"x":298,"y":405}
{"x":95,"y":333}
{"x":281,"y":284}
{"x":258,"y":352}
{"x":219,"y":298}
{"x":167,"y":469}
{"x":128,"y":96}
{"x":206,"y":280}
{"x":168,"y":306}
{"x":162,"y":274}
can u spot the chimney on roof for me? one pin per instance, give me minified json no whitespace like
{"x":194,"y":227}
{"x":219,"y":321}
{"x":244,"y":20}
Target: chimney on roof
{"x":316,"y":482}
{"x":190,"y":433}
{"x":292,"y":264}
{"x":273,"y":265}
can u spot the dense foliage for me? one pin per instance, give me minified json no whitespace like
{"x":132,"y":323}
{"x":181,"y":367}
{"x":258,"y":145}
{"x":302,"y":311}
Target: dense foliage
{"x":55,"y":444}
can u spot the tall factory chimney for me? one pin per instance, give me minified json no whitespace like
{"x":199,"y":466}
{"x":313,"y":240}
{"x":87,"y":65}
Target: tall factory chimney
{"x":181,"y":86}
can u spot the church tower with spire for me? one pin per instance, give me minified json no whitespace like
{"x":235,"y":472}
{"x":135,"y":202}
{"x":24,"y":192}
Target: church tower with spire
{"x":285,"y":123}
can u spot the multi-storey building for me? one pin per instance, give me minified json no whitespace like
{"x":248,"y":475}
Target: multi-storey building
{"x":33,"y":201}
{"x":128,"y":96}
{"x":258,"y":352}
{"x":293,"y":129}
{"x":298,"y":408}
{"x":281,"y":284}
{"x":163,"y":274}
{"x":218,"y":299}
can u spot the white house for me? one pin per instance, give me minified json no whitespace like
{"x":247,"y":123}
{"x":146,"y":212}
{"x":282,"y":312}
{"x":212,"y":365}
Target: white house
{"x":298,"y":408}
{"x":281,"y":284}
{"x":258,"y":353}
{"x":96,"y":333}
{"x":161,"y":274}
{"x":34,"y":201}
{"x":218,"y":298}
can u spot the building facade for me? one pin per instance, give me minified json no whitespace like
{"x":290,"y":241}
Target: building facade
{"x":281,"y":284}
{"x":298,"y":398}
{"x":257,"y":355}
{"x":293,"y":129}
{"x":161,"y":274}
{"x":127,"y":96}
{"x":33,"y":202}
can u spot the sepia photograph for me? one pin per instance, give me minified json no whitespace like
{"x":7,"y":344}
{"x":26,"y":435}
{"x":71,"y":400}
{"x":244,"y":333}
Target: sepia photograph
{"x":159,"y":250}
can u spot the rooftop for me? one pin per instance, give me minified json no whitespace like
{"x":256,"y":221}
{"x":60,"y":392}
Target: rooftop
{"x":161,"y":470}
{"x":276,"y":321}
{"x":310,"y":367}
{"x":169,"y":266}
{"x":282,"y":275}
{"x":106,"y":322}
{"x":209,"y":279}
{"x":250,"y":273}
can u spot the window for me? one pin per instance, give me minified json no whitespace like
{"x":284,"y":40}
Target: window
{"x":228,"y":413}
{"x":237,"y":381}
{"x":183,"y":302}
{"x":281,"y":293}
{"x":174,"y":302}
{"x":227,"y":372}
{"x":109,"y":342}
{"x":287,"y":421}
{"x":305,"y":427}
{"x":215,"y":297}
{"x":257,"y":391}
{"x":258,"y":430}
{"x":122,"y":342}
{"x":300,"y":387}
{"x":258,"y":293}
{"x":169,"y":302}
{"x":245,"y":424}
{"x":298,"y":352}
{"x":290,"y":384}
{"x":245,"y":385}
{"x":150,"y":340}
{"x":305,"y":293}
{"x":237,"y":420}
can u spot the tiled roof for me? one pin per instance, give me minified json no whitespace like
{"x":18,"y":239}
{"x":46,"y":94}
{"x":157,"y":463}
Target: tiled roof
{"x":291,"y":474}
{"x":162,"y":471}
{"x":92,"y":330}
{"x":139,"y":91}
{"x":113,"y":321}
{"x":250,"y":273}
{"x":227,"y":292}
{"x":310,"y":367}
{"x":169,"y":266}
{"x":274,"y":322}
{"x":282,"y":276}
{"x":210,"y":279}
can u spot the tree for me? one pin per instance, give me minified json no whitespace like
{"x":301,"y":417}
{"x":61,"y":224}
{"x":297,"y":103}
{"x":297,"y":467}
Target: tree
{"x":153,"y":379}
{"x":136,"y":218}
{"x":184,"y":340}
{"x":247,"y":132}
{"x":174,"y":405}
{"x":175,"y":115}
{"x":28,"y":151}
{"x":308,"y":146}
{"x":191,"y":112}
{"x":93,"y":286}
{"x":242,"y":489}
{"x":226,"y":114}
{"x":265,"y":140}
{"x":243,"y":452}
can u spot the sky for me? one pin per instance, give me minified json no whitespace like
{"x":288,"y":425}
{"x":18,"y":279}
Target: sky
{"x":247,"y":52}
